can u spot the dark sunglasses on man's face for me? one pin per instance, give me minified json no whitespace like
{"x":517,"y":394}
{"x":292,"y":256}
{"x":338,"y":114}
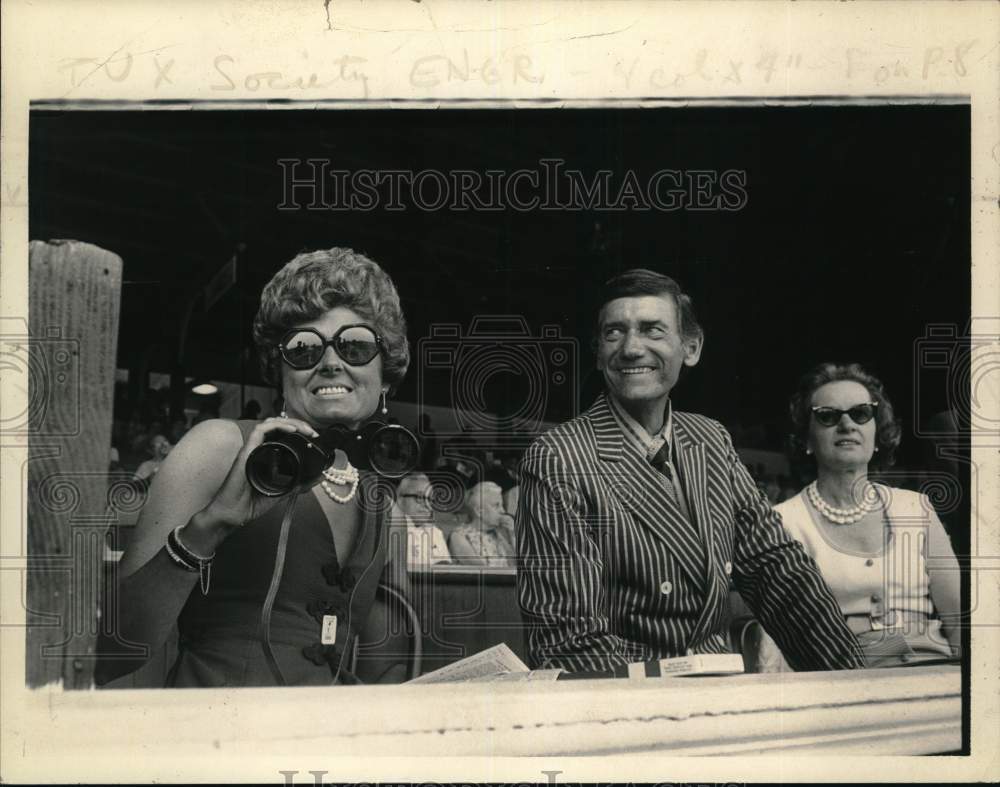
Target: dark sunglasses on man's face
{"x":830,"y":416}
{"x":356,"y":345}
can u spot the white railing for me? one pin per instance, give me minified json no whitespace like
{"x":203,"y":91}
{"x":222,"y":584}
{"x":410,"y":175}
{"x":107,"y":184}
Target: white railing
{"x":873,"y":712}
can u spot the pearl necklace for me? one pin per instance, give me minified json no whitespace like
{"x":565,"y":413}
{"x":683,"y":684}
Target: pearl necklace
{"x":840,"y":516}
{"x":347,"y":475}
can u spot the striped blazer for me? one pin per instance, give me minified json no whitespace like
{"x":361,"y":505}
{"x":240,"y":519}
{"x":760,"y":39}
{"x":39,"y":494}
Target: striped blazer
{"x":610,"y":572}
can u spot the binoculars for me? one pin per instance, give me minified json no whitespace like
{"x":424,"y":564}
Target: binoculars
{"x":287,"y":461}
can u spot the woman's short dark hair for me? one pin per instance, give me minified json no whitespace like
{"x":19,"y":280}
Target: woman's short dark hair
{"x":317,"y":281}
{"x":887,"y":429}
{"x":637,"y":282}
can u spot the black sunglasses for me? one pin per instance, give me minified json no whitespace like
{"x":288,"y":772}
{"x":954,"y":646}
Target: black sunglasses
{"x":830,"y":416}
{"x":356,"y":345}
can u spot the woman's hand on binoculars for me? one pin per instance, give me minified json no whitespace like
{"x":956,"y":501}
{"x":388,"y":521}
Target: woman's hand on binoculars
{"x":237,"y":502}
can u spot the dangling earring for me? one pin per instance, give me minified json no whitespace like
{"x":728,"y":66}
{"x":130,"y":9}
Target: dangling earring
{"x":385,"y":407}
{"x":809,"y":452}
{"x":876,"y":449}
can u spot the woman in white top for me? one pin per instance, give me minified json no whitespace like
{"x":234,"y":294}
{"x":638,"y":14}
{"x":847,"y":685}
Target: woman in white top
{"x":487,"y":539}
{"x":882,"y":550}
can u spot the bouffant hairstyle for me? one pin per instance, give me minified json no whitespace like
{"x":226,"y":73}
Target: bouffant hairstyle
{"x":887,"y":429}
{"x":317,"y":281}
{"x":638,"y":282}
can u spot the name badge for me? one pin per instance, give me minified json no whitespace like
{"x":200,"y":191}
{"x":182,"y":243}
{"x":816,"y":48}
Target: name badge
{"x":328,"y":636}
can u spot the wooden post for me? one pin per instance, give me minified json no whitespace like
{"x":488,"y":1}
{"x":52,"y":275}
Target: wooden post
{"x":74,"y":292}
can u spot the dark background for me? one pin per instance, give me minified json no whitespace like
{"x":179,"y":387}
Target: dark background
{"x":854,"y":240}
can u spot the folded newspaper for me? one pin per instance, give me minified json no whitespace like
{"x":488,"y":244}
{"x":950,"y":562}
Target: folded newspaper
{"x":500,"y":664}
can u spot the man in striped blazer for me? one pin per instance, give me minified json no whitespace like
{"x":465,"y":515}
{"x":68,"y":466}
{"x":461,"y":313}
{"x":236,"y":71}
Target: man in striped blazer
{"x":634,"y":520}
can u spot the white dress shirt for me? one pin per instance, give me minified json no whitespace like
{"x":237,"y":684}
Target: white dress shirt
{"x":425,"y":545}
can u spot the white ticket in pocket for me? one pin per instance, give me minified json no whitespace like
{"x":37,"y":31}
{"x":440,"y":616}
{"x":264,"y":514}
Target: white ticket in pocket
{"x":328,"y":636}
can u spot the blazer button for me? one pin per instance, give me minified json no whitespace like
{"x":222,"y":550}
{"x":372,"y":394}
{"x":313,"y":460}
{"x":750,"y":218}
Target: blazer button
{"x":666,"y":587}
{"x":348,"y":579}
{"x":869,"y":562}
{"x":331,"y":572}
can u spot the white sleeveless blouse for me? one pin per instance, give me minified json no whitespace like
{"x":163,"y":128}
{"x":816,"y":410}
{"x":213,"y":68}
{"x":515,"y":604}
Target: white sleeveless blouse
{"x":891,"y":586}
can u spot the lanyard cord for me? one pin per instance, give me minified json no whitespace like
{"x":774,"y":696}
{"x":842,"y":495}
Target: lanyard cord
{"x":272,"y":592}
{"x":353,"y":642}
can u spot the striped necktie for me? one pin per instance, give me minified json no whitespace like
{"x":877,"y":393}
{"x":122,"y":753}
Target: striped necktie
{"x":675,"y":491}
{"x":661,"y":461}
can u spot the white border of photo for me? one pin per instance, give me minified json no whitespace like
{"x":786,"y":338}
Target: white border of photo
{"x":223,"y":54}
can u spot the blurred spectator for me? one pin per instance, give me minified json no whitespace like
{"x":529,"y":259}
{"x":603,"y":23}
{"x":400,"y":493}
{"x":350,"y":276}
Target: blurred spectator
{"x":788,"y":489}
{"x":178,"y":428}
{"x":775,"y":488}
{"x":428,"y":443}
{"x":157,"y":426}
{"x":510,"y":463}
{"x":424,"y":541}
{"x":208,"y":408}
{"x":138,"y":435}
{"x":159,"y":447}
{"x":772,"y":489}
{"x":467,"y":472}
{"x":488,"y":537}
{"x":118,"y":430}
{"x":495,"y":472}
{"x":251,"y":411}
{"x":204,"y":415}
{"x":510,"y":500}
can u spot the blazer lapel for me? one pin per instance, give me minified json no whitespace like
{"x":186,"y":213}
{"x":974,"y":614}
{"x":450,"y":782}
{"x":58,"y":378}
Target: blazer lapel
{"x":374,"y":506}
{"x":693,"y":469}
{"x":639,"y":487}
{"x":607,"y":435}
{"x":691,"y":459}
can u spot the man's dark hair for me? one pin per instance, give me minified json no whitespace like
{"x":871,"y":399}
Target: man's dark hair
{"x":637,"y":282}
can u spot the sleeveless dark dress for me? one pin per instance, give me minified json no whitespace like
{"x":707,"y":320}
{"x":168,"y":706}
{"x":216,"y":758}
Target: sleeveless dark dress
{"x":221,"y":641}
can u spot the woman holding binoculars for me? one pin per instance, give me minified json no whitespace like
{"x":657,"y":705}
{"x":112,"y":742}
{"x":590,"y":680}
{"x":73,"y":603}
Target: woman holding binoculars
{"x":268,"y":587}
